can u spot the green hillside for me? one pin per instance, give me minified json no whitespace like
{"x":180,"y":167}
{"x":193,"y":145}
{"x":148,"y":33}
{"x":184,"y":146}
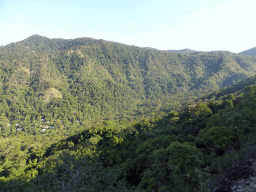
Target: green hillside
{"x":250,"y":52}
{"x":93,"y":115}
{"x":187,"y":151}
{"x":98,"y":79}
{"x":236,"y":88}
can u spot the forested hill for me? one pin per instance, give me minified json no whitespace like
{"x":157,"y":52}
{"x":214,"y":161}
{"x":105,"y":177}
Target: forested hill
{"x":236,"y":88}
{"x":189,"y":151}
{"x":250,"y":52}
{"x":108,"y":78}
{"x":69,"y":113}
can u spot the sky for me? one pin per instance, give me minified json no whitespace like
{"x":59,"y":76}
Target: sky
{"x":203,"y":25}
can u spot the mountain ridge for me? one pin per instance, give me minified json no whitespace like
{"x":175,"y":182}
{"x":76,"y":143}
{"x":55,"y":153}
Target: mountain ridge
{"x":38,"y":37}
{"x":89,"y":67}
{"x":250,"y":52}
{"x":130,"y":64}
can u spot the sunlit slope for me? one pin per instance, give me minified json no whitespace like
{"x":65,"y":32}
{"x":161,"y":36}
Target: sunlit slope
{"x":111,"y":78}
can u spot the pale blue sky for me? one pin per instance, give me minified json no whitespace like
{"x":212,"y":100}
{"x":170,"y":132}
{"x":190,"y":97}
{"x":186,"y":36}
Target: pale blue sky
{"x":203,"y":25}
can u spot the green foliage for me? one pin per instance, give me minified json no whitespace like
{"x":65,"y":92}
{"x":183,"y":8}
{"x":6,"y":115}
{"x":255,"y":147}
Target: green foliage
{"x":188,"y":153}
{"x":183,"y":160}
{"x":90,"y":115}
{"x":91,"y":79}
{"x":200,"y":111}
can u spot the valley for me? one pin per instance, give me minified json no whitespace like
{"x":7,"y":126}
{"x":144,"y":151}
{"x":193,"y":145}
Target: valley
{"x":93,"y":115}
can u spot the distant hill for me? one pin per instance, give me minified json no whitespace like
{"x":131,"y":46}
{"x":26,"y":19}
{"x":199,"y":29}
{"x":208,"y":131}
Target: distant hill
{"x":251,"y":52}
{"x":190,"y":51}
{"x":182,"y":51}
{"x":149,"y":48}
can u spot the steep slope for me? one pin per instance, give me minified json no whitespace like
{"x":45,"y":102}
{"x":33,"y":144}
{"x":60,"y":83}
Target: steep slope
{"x":155,"y":74}
{"x":250,"y":52}
{"x":53,"y":90}
{"x":188,"y":151}
{"x":236,"y":88}
{"x":105,"y":78}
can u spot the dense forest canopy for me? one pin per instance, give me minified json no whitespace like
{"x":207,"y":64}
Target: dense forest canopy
{"x":187,"y":151}
{"x":104,"y":79}
{"x":92,"y":115}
